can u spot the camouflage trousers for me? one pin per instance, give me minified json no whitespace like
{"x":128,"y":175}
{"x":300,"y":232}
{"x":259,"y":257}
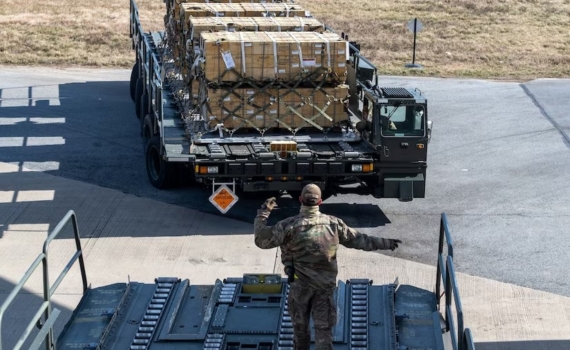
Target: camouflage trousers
{"x":305,"y":301}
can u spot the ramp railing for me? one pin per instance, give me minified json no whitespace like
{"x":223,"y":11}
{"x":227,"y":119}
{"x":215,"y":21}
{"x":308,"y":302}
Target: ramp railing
{"x":46,"y":327}
{"x":461,"y":338}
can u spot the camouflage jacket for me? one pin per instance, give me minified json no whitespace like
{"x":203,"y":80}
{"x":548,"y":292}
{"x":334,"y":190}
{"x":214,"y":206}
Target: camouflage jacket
{"x":309,"y":242}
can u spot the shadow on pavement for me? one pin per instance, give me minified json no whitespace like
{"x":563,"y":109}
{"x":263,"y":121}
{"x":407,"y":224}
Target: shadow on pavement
{"x":21,"y":312}
{"x":89,"y":132}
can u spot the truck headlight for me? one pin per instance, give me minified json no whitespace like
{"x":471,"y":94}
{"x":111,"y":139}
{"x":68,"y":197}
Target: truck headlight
{"x":357,"y":168}
{"x":210,"y":169}
{"x":362,"y":168}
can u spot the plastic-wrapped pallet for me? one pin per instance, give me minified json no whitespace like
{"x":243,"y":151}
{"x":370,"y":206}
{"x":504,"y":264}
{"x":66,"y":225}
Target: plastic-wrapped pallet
{"x":271,"y":56}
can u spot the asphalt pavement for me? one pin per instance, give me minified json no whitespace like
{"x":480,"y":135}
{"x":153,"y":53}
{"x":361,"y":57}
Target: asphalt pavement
{"x":497,"y":165}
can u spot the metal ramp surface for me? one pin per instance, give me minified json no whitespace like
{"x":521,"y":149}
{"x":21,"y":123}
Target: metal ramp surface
{"x":174,"y":314}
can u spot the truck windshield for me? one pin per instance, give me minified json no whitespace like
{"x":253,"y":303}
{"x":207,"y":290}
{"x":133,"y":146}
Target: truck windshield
{"x":403,"y":120}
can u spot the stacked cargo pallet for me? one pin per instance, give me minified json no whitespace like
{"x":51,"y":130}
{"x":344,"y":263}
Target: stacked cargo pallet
{"x":262,"y":66}
{"x":189,"y":12}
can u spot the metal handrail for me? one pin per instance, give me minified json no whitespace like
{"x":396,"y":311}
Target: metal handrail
{"x":444,"y":239}
{"x":469,"y":344}
{"x":461,"y":338}
{"x":48,"y":291}
{"x":451,"y":291}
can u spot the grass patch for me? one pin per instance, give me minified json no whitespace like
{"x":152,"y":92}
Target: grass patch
{"x":497,"y":39}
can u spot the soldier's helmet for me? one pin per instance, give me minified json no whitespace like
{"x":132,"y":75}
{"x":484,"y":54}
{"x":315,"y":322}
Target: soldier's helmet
{"x":311,"y":194}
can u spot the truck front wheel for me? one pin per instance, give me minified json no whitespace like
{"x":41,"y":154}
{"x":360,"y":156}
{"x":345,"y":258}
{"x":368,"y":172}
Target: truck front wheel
{"x":160,"y":172}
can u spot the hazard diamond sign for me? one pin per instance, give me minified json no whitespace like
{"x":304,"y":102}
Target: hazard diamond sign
{"x":223,"y":199}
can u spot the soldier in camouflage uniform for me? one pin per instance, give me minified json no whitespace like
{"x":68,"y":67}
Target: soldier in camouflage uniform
{"x":309,"y":242}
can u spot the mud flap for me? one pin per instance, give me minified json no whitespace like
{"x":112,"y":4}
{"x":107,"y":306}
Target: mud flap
{"x":404,"y":187}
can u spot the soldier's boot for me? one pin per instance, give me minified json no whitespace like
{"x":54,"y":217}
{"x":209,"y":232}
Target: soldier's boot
{"x":303,"y":342}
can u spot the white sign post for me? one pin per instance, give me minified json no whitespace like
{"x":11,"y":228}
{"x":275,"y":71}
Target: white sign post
{"x":415,"y":25}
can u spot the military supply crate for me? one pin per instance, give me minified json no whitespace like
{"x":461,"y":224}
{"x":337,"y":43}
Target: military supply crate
{"x":189,"y":10}
{"x":273,"y":107}
{"x":174,"y":5}
{"x":270,"y":56}
{"x":252,"y":24}
{"x":237,"y":24}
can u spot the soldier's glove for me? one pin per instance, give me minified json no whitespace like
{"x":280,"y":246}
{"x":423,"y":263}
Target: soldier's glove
{"x":290,"y":272}
{"x":394,"y":243}
{"x":269,"y":204}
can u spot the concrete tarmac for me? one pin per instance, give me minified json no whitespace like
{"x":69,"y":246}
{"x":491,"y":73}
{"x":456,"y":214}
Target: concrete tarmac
{"x":117,"y":246}
{"x":68,"y":140}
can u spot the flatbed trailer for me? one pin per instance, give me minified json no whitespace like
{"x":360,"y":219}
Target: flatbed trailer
{"x":380,"y":150}
{"x":248,"y":312}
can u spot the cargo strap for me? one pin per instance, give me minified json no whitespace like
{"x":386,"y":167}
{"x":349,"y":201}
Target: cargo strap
{"x":277,"y":23}
{"x":267,"y":13}
{"x":242,"y":52}
{"x":275,"y":60}
{"x":212,"y":9}
{"x":299,"y":50}
{"x":328,"y":49}
{"x":232,"y":6}
{"x":302,"y":23}
{"x":316,"y":79}
{"x":262,"y":89}
{"x":287,"y":9}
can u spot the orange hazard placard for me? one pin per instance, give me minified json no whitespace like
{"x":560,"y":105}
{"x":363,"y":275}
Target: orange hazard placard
{"x":223,"y":199}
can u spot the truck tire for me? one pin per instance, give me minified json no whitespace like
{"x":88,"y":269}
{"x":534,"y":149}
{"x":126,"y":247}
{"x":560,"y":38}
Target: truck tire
{"x":144,"y":107}
{"x":147,"y":130}
{"x":134,"y":78}
{"x":161,"y":173}
{"x":138,"y":95}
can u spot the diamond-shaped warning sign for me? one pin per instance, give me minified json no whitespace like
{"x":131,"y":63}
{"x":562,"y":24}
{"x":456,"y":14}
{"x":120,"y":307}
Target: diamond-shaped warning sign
{"x":223,"y":199}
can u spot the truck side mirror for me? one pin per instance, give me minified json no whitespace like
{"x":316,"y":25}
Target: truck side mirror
{"x":429,"y":126}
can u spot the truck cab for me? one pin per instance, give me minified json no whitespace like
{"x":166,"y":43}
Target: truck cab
{"x":394,"y":121}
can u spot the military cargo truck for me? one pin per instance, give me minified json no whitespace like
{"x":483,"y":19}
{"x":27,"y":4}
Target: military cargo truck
{"x":263,"y":97}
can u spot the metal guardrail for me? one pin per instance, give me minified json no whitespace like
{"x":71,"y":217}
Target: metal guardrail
{"x":469,"y":344}
{"x":46,"y":329}
{"x":461,"y":338}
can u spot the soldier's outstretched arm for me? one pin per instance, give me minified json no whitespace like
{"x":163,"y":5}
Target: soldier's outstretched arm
{"x":267,"y":237}
{"x":351,"y":238}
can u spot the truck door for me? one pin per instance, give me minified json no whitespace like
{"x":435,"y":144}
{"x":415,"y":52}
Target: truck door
{"x":403,"y":134}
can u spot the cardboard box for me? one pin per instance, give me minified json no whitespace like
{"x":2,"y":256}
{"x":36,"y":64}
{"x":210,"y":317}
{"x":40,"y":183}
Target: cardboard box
{"x":239,"y":24}
{"x":198,"y":25}
{"x":189,"y":10}
{"x":269,"y":56}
